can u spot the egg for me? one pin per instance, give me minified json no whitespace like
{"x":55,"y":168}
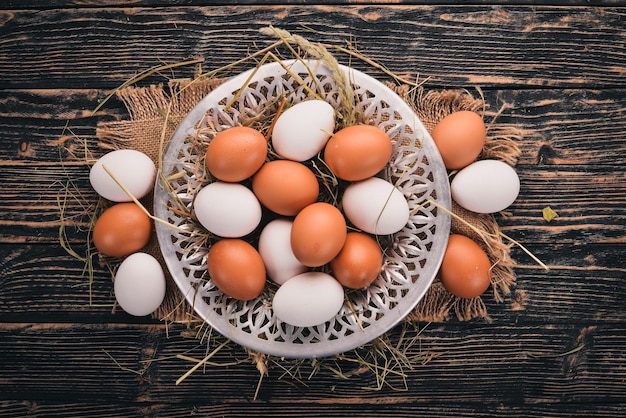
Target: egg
{"x":275,"y":249}
{"x":318,"y":234}
{"x":236,"y":153}
{"x":285,"y":187}
{"x":229,"y":210}
{"x":122,"y":229}
{"x":133,"y":169}
{"x":301,"y":131}
{"x":236,"y":268}
{"x":465,"y":270}
{"x":359,"y":262}
{"x":375,"y":206}
{"x":139,"y":284}
{"x":485,"y":186}
{"x":460,"y":138}
{"x":358,"y":152}
{"x":308,"y":299}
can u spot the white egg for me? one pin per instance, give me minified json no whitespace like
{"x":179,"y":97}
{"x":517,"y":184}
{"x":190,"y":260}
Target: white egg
{"x":485,"y":186}
{"x":375,"y":206}
{"x":229,"y":210}
{"x":275,"y":249}
{"x":134,"y":169}
{"x":139,"y":284}
{"x":303,"y":130}
{"x":308,"y":299}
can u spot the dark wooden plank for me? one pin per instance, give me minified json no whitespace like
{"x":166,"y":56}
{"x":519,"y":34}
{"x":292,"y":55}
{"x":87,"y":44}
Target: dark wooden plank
{"x":29,"y":4}
{"x":571,"y":160}
{"x":560,"y":127}
{"x":285,"y":409}
{"x":589,"y":201}
{"x":480,"y":364}
{"x":585,"y":284}
{"x":538,"y":46}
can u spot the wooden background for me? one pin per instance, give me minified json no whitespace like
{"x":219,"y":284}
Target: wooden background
{"x":556,"y":347}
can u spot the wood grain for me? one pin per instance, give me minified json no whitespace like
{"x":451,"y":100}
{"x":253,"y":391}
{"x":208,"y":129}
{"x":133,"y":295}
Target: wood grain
{"x":571,"y":160}
{"x":100,"y":47}
{"x":584,"y":279}
{"x":553,"y":348}
{"x":579,"y":359}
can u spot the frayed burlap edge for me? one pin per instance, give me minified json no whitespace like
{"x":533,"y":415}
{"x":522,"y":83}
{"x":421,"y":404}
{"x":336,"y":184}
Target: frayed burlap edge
{"x":501,"y":144}
{"x":155,"y":112}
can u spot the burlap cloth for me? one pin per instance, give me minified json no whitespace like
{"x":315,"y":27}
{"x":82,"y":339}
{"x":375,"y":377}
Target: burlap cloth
{"x":148,"y":107}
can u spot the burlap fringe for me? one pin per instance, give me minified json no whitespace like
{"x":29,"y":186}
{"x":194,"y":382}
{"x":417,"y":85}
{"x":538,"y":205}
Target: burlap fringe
{"x":501,"y":144}
{"x":148,"y":107}
{"x":151,"y":109}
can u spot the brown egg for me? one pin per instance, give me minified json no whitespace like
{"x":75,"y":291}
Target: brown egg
{"x":236,"y":268}
{"x":121,"y":230}
{"x":285,"y":187}
{"x":235,"y":154}
{"x":358,"y":152}
{"x":460,"y":137}
{"x":466,"y":269}
{"x":318,"y":234}
{"x":359,"y":262}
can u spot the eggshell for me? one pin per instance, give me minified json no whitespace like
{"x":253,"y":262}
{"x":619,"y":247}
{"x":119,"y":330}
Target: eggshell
{"x":485,"y":186}
{"x":302,"y":130}
{"x":359,"y":262}
{"x":285,"y":187}
{"x":275,"y":249}
{"x":236,"y":268}
{"x":139,"y":284}
{"x":308,"y":299}
{"x":318,"y":234}
{"x":375,"y":206}
{"x":460,"y":137}
{"x":236,"y":153}
{"x":229,"y":210}
{"x":134,"y":170}
{"x":122,"y":229}
{"x":358,"y":152}
{"x":465,"y":270}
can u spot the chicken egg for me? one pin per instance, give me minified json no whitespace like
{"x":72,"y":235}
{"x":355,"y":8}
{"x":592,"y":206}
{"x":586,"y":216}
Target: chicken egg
{"x":275,"y":249}
{"x":302,"y":130}
{"x":318,"y":234}
{"x":308,"y":299}
{"x":236,"y":268}
{"x":460,"y":138}
{"x":358,"y":152}
{"x":139,"y":284}
{"x":359,"y":262}
{"x":122,"y":229}
{"x":236,"y":153}
{"x":465,"y":270}
{"x":485,"y":186}
{"x":285,"y":187}
{"x":134,"y":170}
{"x":229,"y":210}
{"x":375,"y":206}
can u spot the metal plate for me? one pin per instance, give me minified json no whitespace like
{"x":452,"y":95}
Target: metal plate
{"x":412,"y":257}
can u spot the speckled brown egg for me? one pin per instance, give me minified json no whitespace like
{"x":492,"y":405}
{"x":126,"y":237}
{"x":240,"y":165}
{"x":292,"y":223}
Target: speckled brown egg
{"x":460,"y":138}
{"x":236,"y":268}
{"x":466,"y":270}
{"x":359,"y":262}
{"x":285,"y":187}
{"x":357,"y":152}
{"x":235,"y":154}
{"x":121,"y":230}
{"x":318,"y":234}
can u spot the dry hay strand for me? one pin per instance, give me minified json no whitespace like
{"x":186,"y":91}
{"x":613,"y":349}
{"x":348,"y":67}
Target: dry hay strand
{"x":155,"y":112}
